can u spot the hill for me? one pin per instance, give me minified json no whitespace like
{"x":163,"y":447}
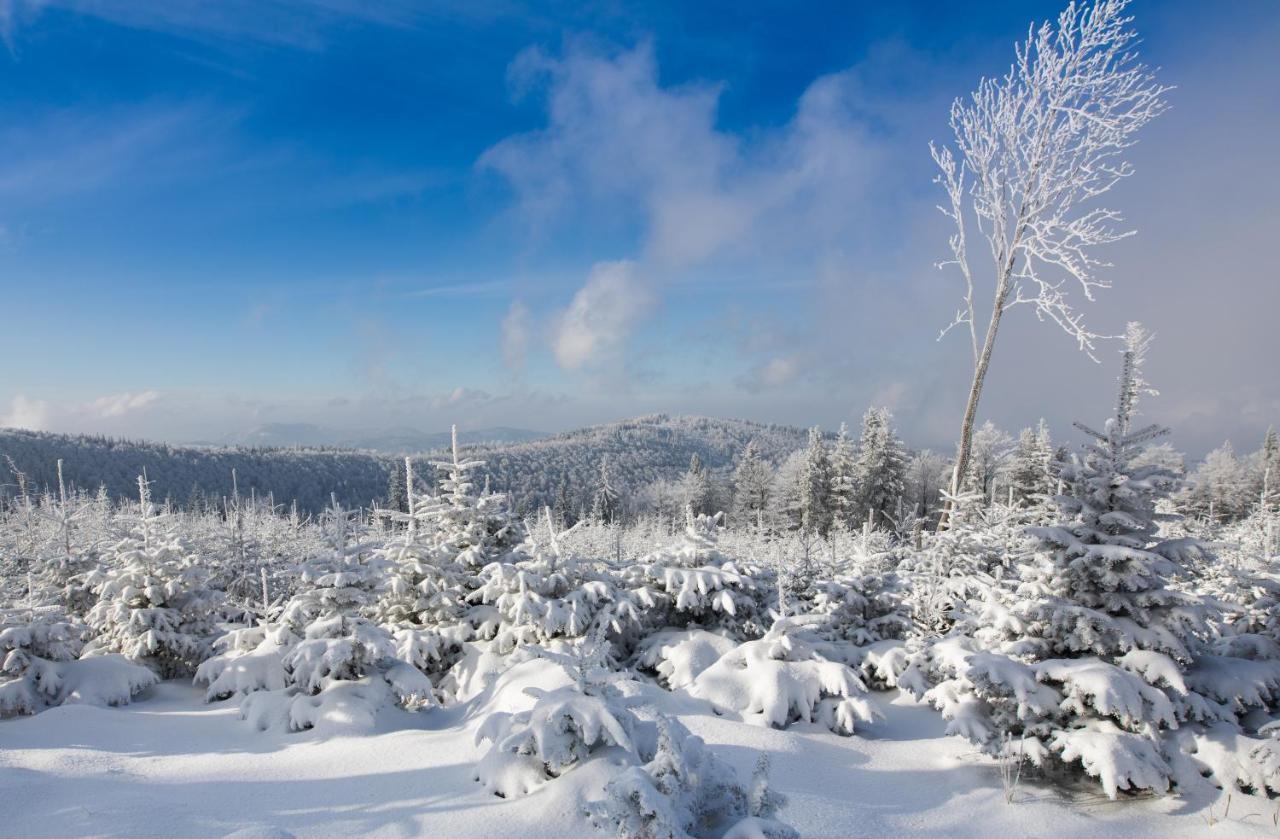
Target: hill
{"x":399,"y":441}
{"x":533,"y":472}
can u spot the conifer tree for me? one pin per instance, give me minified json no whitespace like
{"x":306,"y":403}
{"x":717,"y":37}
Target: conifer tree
{"x":752,"y":483}
{"x":397,"y":493}
{"x":697,"y":487}
{"x":1093,"y":662}
{"x":1029,"y":477}
{"x":155,"y":605}
{"x":844,"y":481}
{"x":607,"y":505}
{"x":815,"y":487}
{"x":881,"y":469}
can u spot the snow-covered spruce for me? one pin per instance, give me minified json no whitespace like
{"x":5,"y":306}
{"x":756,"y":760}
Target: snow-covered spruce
{"x":1095,"y":664}
{"x":783,"y":678}
{"x":154,"y":603}
{"x":693,"y":584}
{"x":949,"y":580}
{"x":540,"y":592}
{"x":566,"y":725}
{"x":429,"y":600}
{"x":669,"y":783}
{"x":325,"y":662}
{"x":678,"y":656}
{"x":40,"y":667}
{"x":684,"y":790}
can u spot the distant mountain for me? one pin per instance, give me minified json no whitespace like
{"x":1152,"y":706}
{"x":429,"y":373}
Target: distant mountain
{"x":557,"y":469}
{"x":641,"y":451}
{"x":401,"y":440}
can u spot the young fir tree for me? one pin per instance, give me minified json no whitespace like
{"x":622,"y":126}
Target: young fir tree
{"x":697,"y":487}
{"x":1029,"y":476}
{"x":40,"y":666}
{"x":397,"y":493}
{"x":154,"y":602}
{"x":881,"y":469}
{"x":427,"y":598}
{"x":1219,"y":490}
{"x":815,"y":486}
{"x":326,"y":661}
{"x":607,"y":504}
{"x":752,"y":484}
{"x":1093,"y":662}
{"x":844,"y":481}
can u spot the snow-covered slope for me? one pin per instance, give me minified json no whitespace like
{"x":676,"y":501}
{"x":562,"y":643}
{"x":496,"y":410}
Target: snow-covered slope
{"x":170,"y":765}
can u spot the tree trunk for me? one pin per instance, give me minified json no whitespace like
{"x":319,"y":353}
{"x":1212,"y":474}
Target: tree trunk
{"x":975,"y":392}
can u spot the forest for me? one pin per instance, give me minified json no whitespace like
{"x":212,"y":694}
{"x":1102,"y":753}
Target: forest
{"x":670,"y":626}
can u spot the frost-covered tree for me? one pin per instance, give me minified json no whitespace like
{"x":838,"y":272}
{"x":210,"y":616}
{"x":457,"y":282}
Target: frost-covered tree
{"x":427,"y":598}
{"x":40,"y":666}
{"x":844,"y":481}
{"x":325,"y":662}
{"x":1219,"y":487}
{"x":397,"y":493}
{"x":606,"y":505}
{"x":788,"y":491}
{"x":926,"y":480}
{"x":471,"y":528}
{"x":1161,"y":454}
{"x":991,"y":455}
{"x":541,"y":592}
{"x":816,"y":514}
{"x":1095,"y":660}
{"x":154,"y":603}
{"x":783,"y":677}
{"x":1029,"y":477}
{"x":880,"y":473}
{"x":684,"y":790}
{"x":752,"y":486}
{"x":697,"y":487}
{"x":1034,"y":150}
{"x":690,"y":583}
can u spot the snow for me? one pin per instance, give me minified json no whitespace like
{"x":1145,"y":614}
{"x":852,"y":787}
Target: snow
{"x":171,"y":765}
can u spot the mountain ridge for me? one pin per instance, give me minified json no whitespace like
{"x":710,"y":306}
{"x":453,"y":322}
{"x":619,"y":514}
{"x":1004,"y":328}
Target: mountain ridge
{"x":640,"y":451}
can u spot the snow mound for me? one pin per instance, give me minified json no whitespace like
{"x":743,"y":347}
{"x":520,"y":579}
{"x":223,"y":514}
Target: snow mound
{"x":783,"y":679}
{"x":678,"y":656}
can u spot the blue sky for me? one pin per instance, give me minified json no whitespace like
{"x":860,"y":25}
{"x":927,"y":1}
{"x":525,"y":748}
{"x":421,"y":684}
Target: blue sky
{"x":365,"y":215}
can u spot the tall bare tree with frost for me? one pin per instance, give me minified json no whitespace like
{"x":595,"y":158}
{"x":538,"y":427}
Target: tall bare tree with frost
{"x":1033,"y":151}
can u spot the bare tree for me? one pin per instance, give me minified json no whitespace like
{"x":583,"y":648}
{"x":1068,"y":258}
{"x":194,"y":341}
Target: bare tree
{"x":1033,"y":150}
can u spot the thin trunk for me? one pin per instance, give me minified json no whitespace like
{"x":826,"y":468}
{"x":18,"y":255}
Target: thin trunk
{"x":975,"y":392}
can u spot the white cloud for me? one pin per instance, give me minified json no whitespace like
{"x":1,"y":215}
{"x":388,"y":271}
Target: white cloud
{"x":25,"y":412}
{"x":516,"y":329}
{"x":774,"y":373}
{"x":119,"y":404}
{"x":461,"y":397}
{"x":601,"y":316}
{"x":615,"y":136}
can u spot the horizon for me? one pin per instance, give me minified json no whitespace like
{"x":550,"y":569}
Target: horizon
{"x":222,"y":218}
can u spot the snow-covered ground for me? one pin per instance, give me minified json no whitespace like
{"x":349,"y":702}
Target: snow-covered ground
{"x":171,"y":765}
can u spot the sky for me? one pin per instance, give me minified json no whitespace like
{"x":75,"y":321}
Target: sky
{"x":372,"y":215}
